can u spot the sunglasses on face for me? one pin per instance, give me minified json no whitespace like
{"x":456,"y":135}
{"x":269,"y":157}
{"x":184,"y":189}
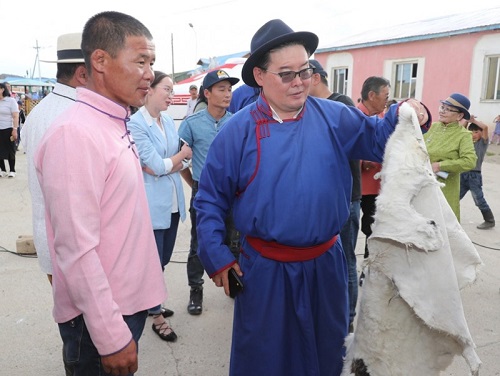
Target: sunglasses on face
{"x":289,"y":76}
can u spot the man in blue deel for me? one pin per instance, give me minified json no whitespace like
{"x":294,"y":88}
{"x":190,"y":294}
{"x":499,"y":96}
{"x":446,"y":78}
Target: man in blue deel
{"x":282,"y":165}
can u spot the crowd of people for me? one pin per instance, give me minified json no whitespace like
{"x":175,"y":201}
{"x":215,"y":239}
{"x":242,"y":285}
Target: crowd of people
{"x":262,"y":169}
{"x":12,"y":119}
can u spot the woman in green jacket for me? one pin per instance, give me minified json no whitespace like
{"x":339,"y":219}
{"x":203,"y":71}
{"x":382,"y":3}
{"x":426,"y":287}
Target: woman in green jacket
{"x":450,"y":147}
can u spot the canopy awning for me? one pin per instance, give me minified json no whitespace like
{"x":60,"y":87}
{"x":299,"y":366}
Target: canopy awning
{"x":29,"y":82}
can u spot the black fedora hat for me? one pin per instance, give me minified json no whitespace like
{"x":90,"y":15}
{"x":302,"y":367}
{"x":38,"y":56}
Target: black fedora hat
{"x":270,"y":35}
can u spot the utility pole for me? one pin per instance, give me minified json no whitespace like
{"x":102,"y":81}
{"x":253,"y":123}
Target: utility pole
{"x":37,"y":62}
{"x":172,"y":43}
{"x":195,"y":42}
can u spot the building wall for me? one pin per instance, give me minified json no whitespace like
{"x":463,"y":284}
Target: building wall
{"x":486,"y":110}
{"x":445,"y":65}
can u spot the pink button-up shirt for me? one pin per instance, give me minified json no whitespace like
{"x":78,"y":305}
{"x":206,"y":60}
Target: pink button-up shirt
{"x":104,"y":255}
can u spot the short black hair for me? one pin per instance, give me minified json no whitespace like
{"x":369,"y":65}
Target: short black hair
{"x":107,"y":31}
{"x":264,"y":61}
{"x":374,"y":84}
{"x":474,"y":127}
{"x":66,"y":71}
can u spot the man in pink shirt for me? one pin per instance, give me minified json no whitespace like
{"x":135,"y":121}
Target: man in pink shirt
{"x":106,"y":270}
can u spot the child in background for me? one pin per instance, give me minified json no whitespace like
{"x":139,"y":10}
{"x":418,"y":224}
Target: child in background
{"x":473,"y":180}
{"x":22,"y":119}
{"x":496,"y":132}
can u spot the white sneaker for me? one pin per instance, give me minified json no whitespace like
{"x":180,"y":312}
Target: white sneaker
{"x":12,"y":174}
{"x":3,"y":174}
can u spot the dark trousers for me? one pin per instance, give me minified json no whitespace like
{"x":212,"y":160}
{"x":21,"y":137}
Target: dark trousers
{"x":18,"y":141}
{"x":80,"y":356}
{"x":473,"y":181}
{"x":368,"y":210}
{"x":349,"y":237}
{"x":195,"y":269}
{"x":7,"y":150}
{"x":165,"y":242}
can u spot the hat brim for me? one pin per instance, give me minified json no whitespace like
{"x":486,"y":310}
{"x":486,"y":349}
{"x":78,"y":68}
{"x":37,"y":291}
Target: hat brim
{"x":309,"y":39}
{"x":232,"y":80}
{"x":65,"y":61}
{"x":462,"y":110}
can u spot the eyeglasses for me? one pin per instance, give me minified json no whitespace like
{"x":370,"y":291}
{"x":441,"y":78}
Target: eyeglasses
{"x":289,"y":76}
{"x":447,"y":109}
{"x":169,"y":91}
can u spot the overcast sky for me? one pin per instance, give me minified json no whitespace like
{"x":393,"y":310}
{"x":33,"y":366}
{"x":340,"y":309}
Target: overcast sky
{"x":220,"y":27}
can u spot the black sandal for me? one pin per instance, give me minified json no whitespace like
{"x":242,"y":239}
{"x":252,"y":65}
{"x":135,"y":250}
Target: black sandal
{"x":161,"y":331}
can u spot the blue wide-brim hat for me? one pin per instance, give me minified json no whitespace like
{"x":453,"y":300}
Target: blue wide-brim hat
{"x":270,"y":35}
{"x":460,"y":102}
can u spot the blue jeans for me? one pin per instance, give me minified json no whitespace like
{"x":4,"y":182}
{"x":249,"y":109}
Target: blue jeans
{"x":80,"y":356}
{"x":349,"y":237}
{"x":473,"y":181}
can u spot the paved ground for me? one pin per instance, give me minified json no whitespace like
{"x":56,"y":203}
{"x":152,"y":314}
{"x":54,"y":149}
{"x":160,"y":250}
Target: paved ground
{"x":30,"y":343}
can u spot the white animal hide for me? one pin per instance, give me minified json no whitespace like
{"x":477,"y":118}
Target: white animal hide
{"x":405,"y":171}
{"x":411,"y":320}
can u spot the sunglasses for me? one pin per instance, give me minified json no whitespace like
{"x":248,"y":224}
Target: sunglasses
{"x":289,"y":76}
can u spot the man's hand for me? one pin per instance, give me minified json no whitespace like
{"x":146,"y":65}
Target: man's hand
{"x":13,"y":136}
{"x":123,"y":362}
{"x":221,"y":279}
{"x":423,"y":116}
{"x":186,"y":152}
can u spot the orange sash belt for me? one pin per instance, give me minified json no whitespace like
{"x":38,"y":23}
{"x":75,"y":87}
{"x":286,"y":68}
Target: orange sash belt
{"x":284,"y":253}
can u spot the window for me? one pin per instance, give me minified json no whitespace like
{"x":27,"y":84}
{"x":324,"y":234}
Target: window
{"x":339,"y":82}
{"x":405,"y":80}
{"x":493,"y":78}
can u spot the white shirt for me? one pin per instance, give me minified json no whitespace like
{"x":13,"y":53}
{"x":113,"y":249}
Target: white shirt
{"x":8,"y":106}
{"x":191,"y":103}
{"x":38,"y":121}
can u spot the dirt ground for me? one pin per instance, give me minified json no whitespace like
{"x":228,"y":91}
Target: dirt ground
{"x":493,"y":154}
